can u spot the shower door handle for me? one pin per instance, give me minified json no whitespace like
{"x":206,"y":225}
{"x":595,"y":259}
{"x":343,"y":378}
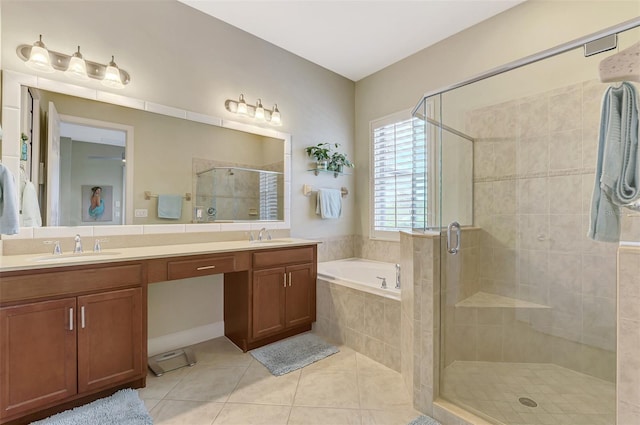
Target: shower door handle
{"x":454,"y":225}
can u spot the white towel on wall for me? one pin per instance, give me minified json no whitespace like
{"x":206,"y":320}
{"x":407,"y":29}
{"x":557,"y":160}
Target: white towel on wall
{"x":329,"y":203}
{"x":9,"y":211}
{"x":30,"y":214}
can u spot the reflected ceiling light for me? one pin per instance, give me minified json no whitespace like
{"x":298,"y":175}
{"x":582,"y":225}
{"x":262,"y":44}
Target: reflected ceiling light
{"x":39,"y":58}
{"x":77,"y":67}
{"x":258,"y":112}
{"x":112,"y":76}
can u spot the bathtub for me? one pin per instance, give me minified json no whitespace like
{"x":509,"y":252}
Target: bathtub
{"x":361,"y":275}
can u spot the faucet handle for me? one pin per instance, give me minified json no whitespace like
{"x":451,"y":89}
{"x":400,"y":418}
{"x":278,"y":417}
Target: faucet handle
{"x":251,"y":237}
{"x":57,"y":250}
{"x":268,"y":235}
{"x":96,"y":246}
{"x":384,"y":282}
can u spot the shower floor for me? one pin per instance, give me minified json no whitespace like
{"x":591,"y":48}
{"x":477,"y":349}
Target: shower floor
{"x":563,"y":396}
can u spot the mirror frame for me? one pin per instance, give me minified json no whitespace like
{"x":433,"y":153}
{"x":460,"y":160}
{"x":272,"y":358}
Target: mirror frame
{"x":11,"y":116}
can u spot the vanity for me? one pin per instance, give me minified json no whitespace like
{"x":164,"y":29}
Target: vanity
{"x":74,"y":328}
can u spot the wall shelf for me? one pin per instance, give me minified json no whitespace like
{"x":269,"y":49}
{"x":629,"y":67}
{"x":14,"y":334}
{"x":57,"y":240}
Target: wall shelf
{"x":317,"y":172}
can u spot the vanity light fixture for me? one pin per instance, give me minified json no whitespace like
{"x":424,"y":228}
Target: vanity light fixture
{"x":39,"y":58}
{"x":257,"y":112}
{"x":77,"y":67}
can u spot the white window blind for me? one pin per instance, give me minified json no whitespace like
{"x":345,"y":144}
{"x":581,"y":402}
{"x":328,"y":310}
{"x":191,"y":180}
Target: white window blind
{"x":399,"y":169}
{"x":268,"y":196}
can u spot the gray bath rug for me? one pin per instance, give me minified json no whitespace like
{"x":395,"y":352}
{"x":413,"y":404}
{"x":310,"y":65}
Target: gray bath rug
{"x":122,"y":408}
{"x":424,"y":420}
{"x":293,"y":353}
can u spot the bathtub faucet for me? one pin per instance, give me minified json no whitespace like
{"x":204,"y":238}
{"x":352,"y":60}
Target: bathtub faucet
{"x":384,"y":282}
{"x":397,"y":276}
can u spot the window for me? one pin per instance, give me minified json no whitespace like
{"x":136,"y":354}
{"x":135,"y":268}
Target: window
{"x":399,"y":175}
{"x":268,"y":196}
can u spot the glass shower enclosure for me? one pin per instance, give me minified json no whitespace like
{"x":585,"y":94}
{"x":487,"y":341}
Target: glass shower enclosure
{"x":527,"y":301}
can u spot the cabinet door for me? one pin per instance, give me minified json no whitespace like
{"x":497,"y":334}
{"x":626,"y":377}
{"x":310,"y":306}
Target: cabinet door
{"x":268,"y":302}
{"x":300,"y":298}
{"x":37,"y":355}
{"x":109,"y":338}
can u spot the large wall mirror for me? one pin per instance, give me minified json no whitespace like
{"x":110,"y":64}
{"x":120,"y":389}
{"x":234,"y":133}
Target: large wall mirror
{"x":99,"y":159}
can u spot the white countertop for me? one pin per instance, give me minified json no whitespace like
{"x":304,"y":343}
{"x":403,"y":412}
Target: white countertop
{"x":43,"y":261}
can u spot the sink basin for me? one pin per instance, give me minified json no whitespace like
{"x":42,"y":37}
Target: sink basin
{"x":73,"y":257}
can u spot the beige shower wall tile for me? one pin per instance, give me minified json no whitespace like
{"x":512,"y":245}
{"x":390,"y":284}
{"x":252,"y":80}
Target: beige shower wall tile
{"x":628,"y":287}
{"x":628,"y":361}
{"x":565,"y":194}
{"x":533,"y":116}
{"x":599,"y":275}
{"x":566,"y":150}
{"x":483,"y":159}
{"x":533,"y":195}
{"x":565,"y":109}
{"x":565,"y":233}
{"x":533,"y":156}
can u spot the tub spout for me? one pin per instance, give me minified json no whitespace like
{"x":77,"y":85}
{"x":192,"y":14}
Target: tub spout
{"x":397,"y":276}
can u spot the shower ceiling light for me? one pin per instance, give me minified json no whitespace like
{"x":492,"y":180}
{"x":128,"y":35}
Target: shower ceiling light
{"x":38,"y":58}
{"x":258,"y":112}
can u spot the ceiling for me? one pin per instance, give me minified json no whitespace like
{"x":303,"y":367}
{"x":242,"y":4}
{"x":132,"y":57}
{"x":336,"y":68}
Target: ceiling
{"x":352,"y":38}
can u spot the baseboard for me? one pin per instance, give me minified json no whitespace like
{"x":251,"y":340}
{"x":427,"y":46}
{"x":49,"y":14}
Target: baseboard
{"x":169,"y":342}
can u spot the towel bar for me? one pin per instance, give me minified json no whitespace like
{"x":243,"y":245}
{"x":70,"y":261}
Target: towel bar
{"x":148,"y":195}
{"x":307,"y":190}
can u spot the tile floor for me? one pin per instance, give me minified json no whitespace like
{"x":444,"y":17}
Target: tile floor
{"x":564,"y":397}
{"x":227,"y":386}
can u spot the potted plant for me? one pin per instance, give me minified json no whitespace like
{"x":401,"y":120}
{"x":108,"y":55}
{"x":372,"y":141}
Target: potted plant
{"x":338,"y":161}
{"x":321,"y":154}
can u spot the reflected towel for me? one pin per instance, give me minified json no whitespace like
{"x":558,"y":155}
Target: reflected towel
{"x":329,"y":203}
{"x":618,"y":169}
{"x":30,"y":214}
{"x":170,"y":206}
{"x":9,"y":211}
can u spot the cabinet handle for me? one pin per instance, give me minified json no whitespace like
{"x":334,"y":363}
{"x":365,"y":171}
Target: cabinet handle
{"x":289,"y":278}
{"x":206,"y":268}
{"x":71,"y":318}
{"x":284,"y":283}
{"x":82,"y":317}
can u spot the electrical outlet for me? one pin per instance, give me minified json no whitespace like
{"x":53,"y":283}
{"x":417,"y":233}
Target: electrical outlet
{"x":142,"y":212}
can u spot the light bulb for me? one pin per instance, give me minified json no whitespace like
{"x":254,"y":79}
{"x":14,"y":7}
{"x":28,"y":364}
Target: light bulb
{"x":259,"y":115}
{"x":77,"y":67}
{"x":275,"y":116}
{"x":112,"y":76}
{"x":242,"y":106}
{"x":39,"y":59}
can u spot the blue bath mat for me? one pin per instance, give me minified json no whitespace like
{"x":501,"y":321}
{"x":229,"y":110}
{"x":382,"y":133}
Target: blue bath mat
{"x":424,"y":420}
{"x":122,"y":408}
{"x":293,"y":353}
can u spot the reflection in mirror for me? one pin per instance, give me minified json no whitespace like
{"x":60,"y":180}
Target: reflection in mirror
{"x":169,"y":152}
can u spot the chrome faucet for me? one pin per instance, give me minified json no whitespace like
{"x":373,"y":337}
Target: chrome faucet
{"x":397,"y":276}
{"x":77,"y":249}
{"x":384,"y":282}
{"x":97,"y":247}
{"x":261,"y":234}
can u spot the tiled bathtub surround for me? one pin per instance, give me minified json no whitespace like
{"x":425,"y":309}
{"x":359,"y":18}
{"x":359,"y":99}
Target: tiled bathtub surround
{"x":534,"y":170}
{"x":340,"y":247}
{"x":370,"y":324}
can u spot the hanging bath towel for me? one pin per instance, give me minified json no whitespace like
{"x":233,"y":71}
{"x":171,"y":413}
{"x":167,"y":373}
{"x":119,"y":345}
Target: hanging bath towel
{"x":30,"y":214}
{"x":618,"y":170}
{"x":9,"y":211}
{"x":329,"y":203}
{"x":170,"y":206}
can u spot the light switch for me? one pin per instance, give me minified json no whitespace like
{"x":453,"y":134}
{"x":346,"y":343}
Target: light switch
{"x":142,"y":212}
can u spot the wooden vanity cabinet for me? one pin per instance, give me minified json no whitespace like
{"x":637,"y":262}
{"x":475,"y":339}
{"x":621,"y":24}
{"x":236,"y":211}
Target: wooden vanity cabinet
{"x":279,"y":301}
{"x":57,"y":351}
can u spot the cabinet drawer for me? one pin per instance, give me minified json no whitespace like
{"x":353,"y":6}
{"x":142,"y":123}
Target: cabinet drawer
{"x":282,"y":257}
{"x":45,"y":283}
{"x":182,"y":269}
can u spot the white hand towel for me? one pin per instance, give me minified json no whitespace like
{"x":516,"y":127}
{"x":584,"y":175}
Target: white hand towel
{"x":329,"y":203}
{"x":30,"y":214}
{"x":170,"y":206}
{"x":9,"y":211}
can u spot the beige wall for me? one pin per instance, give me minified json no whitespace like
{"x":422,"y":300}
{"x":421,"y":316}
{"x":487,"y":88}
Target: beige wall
{"x":523,"y":30}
